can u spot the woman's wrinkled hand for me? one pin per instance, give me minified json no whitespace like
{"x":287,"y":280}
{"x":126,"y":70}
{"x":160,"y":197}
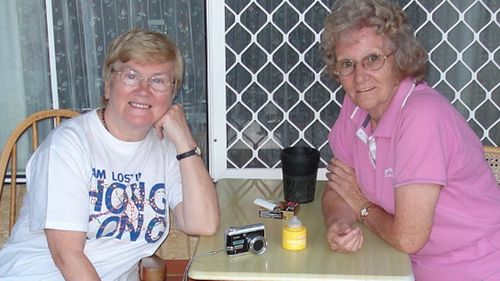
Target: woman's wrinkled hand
{"x":173,"y":125}
{"x":342,"y":179}
{"x":343,"y":238}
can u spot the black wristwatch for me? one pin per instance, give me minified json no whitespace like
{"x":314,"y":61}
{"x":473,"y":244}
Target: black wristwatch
{"x":194,"y":151}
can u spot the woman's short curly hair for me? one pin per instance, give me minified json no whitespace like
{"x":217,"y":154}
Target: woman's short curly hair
{"x":144,"y":47}
{"x":389,"y":20}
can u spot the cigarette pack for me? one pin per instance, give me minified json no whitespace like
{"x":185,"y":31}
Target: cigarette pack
{"x":284,"y":210}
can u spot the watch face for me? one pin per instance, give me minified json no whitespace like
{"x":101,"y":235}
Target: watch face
{"x":364,"y":212}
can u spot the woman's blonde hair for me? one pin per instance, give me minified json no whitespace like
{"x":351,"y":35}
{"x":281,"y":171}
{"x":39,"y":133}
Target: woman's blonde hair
{"x":389,"y":20}
{"x":144,"y":47}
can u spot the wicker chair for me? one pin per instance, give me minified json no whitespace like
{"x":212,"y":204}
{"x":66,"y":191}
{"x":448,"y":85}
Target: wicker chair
{"x":492,"y":156}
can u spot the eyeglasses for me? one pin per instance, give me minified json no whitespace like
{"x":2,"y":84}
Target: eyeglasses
{"x":159,"y":83}
{"x":371,"y":62}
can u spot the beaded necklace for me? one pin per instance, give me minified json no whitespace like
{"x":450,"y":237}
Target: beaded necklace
{"x":104,"y":118}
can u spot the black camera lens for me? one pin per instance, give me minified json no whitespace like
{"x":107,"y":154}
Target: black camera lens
{"x":257,"y":245}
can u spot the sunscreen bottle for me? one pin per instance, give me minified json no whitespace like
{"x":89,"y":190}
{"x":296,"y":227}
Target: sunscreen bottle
{"x":294,"y":235}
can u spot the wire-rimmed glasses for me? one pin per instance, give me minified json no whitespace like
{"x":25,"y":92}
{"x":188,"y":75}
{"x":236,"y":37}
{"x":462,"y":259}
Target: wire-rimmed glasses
{"x":371,"y":62}
{"x":159,"y":83}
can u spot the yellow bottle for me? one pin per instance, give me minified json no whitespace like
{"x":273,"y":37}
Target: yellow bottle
{"x":294,"y":235}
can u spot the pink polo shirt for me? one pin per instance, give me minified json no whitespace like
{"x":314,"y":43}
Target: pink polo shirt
{"x":423,"y":139}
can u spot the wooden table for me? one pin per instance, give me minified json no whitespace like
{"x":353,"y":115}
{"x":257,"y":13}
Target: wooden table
{"x":375,"y":261}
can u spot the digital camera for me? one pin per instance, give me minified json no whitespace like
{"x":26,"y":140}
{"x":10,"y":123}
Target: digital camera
{"x":245,"y":239}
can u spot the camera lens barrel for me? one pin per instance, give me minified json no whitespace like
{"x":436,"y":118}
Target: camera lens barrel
{"x":257,"y":245}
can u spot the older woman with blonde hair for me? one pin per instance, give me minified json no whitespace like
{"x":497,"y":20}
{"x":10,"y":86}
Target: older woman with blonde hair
{"x":101,"y":185}
{"x":406,"y":164}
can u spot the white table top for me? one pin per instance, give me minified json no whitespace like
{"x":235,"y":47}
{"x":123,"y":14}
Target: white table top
{"x":375,"y":261}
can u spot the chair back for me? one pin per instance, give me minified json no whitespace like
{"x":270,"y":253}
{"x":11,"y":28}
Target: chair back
{"x":492,"y":156}
{"x":9,"y":159}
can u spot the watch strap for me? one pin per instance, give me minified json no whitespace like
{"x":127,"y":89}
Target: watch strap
{"x":192,"y":152}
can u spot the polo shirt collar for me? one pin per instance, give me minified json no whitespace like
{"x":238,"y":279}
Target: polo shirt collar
{"x":386,"y":124}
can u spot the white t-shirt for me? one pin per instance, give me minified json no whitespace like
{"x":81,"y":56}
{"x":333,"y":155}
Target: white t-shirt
{"x":83,"y":179}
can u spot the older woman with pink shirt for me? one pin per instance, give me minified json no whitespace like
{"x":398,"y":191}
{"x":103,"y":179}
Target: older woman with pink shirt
{"x":406,"y":164}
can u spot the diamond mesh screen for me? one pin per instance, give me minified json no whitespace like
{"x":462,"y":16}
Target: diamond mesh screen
{"x":277,"y":94}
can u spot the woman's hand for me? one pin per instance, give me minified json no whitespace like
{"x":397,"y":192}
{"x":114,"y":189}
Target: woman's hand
{"x":173,"y":125}
{"x":339,"y":217}
{"x":342,"y":179}
{"x":343,"y":238}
